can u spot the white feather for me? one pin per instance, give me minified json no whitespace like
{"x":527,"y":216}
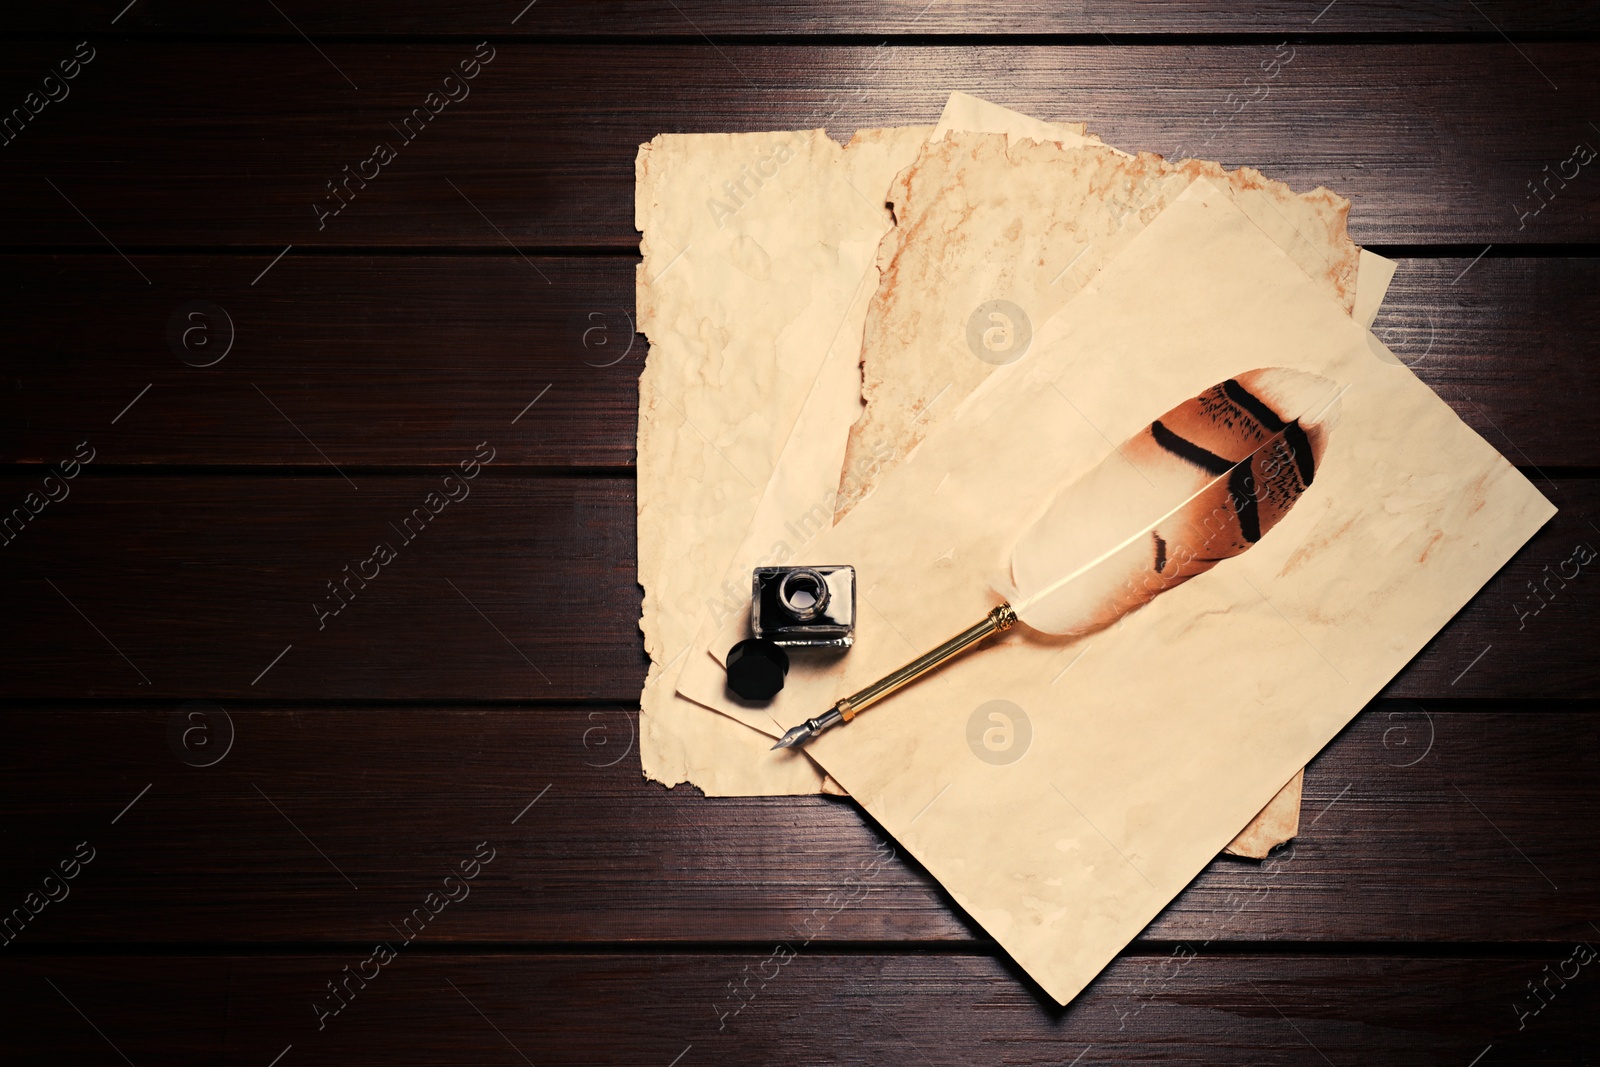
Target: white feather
{"x":1092,"y":555}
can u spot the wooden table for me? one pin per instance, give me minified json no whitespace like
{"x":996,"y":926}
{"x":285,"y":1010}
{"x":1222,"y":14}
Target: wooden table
{"x":220,"y":394}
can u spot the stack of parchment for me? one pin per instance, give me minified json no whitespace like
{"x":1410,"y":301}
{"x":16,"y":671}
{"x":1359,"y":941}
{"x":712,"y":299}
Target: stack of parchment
{"x":892,"y":354}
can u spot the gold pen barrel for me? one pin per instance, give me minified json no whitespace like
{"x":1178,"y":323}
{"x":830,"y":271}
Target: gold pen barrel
{"x":1000,"y":619}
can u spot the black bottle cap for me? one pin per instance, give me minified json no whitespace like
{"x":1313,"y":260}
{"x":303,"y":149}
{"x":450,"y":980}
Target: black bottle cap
{"x":756,"y":668}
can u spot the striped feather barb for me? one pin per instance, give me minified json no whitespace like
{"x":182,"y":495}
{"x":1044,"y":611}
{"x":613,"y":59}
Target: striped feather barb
{"x":1199,"y":485}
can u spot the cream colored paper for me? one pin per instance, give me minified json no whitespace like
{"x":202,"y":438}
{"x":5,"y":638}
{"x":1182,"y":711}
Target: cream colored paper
{"x":981,"y":220}
{"x":1372,"y":285}
{"x":756,"y":247}
{"x":1152,"y":742}
{"x":970,"y":114}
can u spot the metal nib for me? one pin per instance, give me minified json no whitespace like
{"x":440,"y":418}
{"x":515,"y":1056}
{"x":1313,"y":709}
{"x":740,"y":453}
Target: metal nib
{"x":799,"y":735}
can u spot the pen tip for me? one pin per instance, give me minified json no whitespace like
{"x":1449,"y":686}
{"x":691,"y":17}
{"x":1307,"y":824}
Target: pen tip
{"x":793,"y":737}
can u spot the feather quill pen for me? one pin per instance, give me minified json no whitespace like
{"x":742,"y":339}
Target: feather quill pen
{"x":1235,"y":459}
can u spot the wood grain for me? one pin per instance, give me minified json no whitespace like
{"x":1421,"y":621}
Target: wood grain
{"x":1420,"y":824}
{"x":1462,"y":328}
{"x":191,"y":586}
{"x":523,"y":590}
{"x":433,"y":349}
{"x":656,"y":1010}
{"x":233,"y":144}
{"x":692,"y":19}
{"x":482,"y":687}
{"x":381,"y":360}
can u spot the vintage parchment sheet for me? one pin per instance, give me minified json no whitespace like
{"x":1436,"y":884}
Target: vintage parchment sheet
{"x":1372,"y":285}
{"x":1154,"y":741}
{"x":757,"y":250}
{"x":978,"y":222}
{"x":994,"y":236}
{"x":972,"y":114}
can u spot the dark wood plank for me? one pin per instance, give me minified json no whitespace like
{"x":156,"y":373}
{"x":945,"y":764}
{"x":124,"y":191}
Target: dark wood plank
{"x":191,"y":586}
{"x":431,"y":349}
{"x":1420,"y":824}
{"x":690,"y":19}
{"x":654,"y":1010}
{"x":524,"y":589}
{"x":1463,"y":328}
{"x":234,"y":143}
{"x":378,"y":359}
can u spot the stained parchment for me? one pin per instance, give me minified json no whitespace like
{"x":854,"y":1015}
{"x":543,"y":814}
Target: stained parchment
{"x":1275,"y":824}
{"x":994,"y":236}
{"x":756,"y":248}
